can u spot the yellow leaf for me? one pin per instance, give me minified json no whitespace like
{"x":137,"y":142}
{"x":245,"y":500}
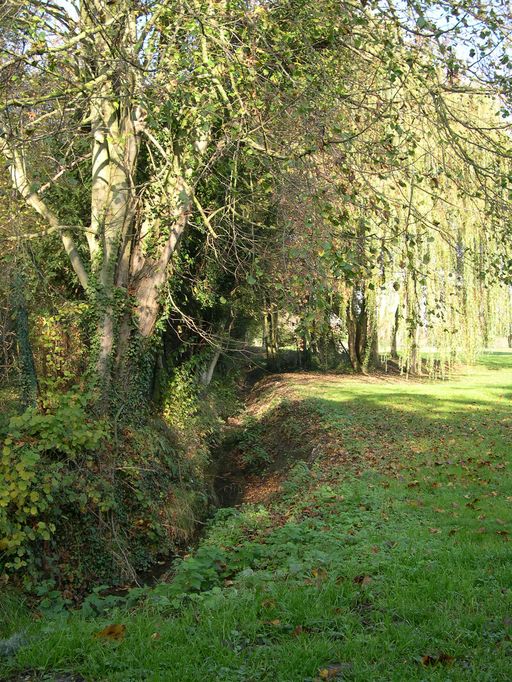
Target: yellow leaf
{"x":113,"y":632}
{"x":332,"y":672}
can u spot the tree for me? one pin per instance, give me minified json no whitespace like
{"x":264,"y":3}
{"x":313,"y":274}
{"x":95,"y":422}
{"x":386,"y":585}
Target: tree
{"x":142,"y":99}
{"x":144,"y":96}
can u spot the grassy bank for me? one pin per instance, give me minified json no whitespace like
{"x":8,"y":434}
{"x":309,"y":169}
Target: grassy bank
{"x":383,"y":553}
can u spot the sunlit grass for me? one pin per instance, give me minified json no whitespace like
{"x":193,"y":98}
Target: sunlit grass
{"x":391,"y":547}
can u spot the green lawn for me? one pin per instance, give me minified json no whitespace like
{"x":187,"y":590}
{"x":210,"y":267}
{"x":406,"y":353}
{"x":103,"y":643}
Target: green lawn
{"x":385,"y":556}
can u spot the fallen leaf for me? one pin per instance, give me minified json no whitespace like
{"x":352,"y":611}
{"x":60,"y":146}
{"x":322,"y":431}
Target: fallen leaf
{"x":113,"y":632}
{"x":444,"y":659}
{"x":331,"y":672}
{"x":268,"y":603}
{"x":428,"y":660}
{"x":362,"y":580}
{"x":472,"y":504}
{"x":434,"y":530}
{"x":155,"y":635}
{"x":319,"y":573}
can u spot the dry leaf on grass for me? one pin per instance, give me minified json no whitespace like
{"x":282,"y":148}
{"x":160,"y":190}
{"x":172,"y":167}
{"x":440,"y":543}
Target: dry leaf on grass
{"x":113,"y":632}
{"x":443,"y":659}
{"x":332,"y":672}
{"x":363,"y":580}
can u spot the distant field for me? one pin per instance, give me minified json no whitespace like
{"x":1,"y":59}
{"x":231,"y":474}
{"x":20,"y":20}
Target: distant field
{"x":384,"y":555}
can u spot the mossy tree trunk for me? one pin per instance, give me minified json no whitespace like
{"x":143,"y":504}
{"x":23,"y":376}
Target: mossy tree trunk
{"x":28,"y":376}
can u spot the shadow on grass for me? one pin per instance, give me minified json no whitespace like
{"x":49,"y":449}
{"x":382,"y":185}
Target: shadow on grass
{"x":365,"y":427}
{"x":497,"y":360}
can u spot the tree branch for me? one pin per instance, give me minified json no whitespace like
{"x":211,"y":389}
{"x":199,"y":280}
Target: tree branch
{"x":22,"y":184}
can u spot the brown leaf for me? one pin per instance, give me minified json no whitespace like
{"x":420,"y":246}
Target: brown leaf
{"x":413,"y":484}
{"x":113,"y":632}
{"x":319,"y":573}
{"x":444,"y":659}
{"x":428,"y":660}
{"x":268,"y":603}
{"x":434,"y":530}
{"x":362,"y":580}
{"x":298,"y":630}
{"x":472,"y":504}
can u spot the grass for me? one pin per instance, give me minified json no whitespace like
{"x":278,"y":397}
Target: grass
{"x":386,"y":556}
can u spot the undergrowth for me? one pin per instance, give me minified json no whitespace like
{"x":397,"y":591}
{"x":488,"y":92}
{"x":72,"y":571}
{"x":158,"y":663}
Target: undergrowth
{"x":85,"y":501}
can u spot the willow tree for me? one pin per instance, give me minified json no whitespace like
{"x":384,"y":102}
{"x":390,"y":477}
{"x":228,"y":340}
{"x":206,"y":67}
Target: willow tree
{"x":411,"y":209}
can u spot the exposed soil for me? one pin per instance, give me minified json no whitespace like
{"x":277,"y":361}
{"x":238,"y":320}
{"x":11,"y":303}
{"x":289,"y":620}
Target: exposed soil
{"x":290,"y":432}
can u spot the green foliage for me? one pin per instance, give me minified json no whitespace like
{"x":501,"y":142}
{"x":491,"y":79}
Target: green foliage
{"x":76,"y":491}
{"x":195,"y":409}
{"x":59,"y":346}
{"x":34,"y":474}
{"x":182,"y":400}
{"x":254,"y":454}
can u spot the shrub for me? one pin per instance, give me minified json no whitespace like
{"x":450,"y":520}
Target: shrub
{"x":33,"y":472}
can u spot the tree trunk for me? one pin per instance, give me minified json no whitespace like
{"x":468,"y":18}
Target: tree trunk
{"x":415,"y":362}
{"x":29,"y":385}
{"x":207,"y":376}
{"x":271,"y":337}
{"x":356,"y":328}
{"x":363,"y":349}
{"x":394,"y":334}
